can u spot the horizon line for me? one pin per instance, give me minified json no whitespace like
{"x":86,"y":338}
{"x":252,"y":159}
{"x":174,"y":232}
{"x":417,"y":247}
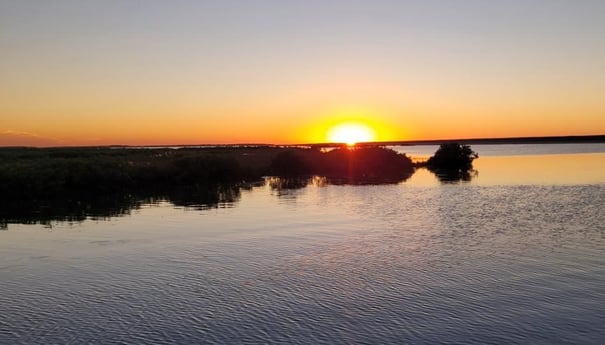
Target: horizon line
{"x":592,"y":138}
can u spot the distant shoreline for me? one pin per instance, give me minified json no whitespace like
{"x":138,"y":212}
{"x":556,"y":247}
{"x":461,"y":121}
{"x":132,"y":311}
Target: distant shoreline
{"x":568,"y":139}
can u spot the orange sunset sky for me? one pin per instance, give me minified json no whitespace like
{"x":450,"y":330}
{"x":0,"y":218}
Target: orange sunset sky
{"x":283,"y":72}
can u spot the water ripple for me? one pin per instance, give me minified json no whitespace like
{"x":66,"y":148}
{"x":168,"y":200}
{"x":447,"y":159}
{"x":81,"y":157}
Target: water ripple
{"x":388,"y":264}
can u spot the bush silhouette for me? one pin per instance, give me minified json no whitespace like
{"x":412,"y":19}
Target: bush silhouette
{"x":290,"y":163}
{"x":367,"y":163}
{"x":353,"y":165}
{"x":452,"y":157}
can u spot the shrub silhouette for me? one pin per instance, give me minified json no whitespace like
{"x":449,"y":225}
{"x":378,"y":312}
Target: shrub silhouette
{"x":290,"y":163}
{"x":452,"y":157}
{"x":352,"y":165}
{"x":452,"y":162}
{"x":367,"y":163}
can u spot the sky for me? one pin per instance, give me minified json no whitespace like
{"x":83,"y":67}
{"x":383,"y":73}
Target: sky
{"x":149,"y":72}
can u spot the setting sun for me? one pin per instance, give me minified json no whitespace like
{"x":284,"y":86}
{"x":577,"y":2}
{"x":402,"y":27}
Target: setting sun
{"x":351,"y":133}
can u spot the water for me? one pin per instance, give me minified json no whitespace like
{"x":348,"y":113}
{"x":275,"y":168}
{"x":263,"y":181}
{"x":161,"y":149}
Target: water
{"x":515,"y":255}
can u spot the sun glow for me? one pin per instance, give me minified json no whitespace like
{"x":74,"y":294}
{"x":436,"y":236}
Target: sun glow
{"x":351,"y":133}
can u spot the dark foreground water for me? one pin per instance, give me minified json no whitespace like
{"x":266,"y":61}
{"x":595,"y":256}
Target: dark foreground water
{"x":516,"y":255}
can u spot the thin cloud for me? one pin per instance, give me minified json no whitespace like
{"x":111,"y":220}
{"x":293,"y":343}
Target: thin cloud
{"x":9,"y":137}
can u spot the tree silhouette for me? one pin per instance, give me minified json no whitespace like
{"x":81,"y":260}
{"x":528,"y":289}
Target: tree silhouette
{"x":452,"y":157}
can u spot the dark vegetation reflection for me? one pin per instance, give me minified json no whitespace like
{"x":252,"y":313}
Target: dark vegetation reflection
{"x":75,"y":184}
{"x":73,"y":210}
{"x":79,"y":207}
{"x":452,"y":162}
{"x":453,"y":176}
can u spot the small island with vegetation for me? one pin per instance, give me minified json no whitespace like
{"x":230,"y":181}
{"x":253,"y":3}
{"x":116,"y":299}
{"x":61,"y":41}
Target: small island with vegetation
{"x":352,"y":165}
{"x":104,"y":181}
{"x":52,"y":172}
{"x":452,"y":162}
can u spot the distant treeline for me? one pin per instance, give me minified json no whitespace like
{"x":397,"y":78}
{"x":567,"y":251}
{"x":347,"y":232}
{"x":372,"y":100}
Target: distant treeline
{"x":568,"y":139}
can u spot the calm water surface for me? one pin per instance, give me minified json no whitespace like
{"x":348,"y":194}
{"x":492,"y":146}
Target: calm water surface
{"x":514,"y":256}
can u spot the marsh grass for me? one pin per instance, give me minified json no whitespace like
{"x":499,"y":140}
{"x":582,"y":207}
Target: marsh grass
{"x":71,"y":184}
{"x":49,"y":173}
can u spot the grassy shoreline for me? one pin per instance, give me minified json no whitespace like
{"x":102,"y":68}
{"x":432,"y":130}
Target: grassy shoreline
{"x":27,"y":173}
{"x":30,"y":173}
{"x":34,"y":173}
{"x":71,"y":184}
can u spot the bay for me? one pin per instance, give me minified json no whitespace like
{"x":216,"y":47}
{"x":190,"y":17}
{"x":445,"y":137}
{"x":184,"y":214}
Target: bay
{"x":513,"y":255}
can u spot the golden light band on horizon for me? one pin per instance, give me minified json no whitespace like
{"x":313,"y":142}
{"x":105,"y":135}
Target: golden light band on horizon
{"x":351,"y":133}
{"x":353,"y":124}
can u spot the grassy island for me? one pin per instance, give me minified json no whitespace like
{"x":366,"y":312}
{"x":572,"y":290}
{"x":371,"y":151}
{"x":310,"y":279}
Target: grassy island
{"x":346,"y":164}
{"x":452,"y":162}
{"x":36,"y":184}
